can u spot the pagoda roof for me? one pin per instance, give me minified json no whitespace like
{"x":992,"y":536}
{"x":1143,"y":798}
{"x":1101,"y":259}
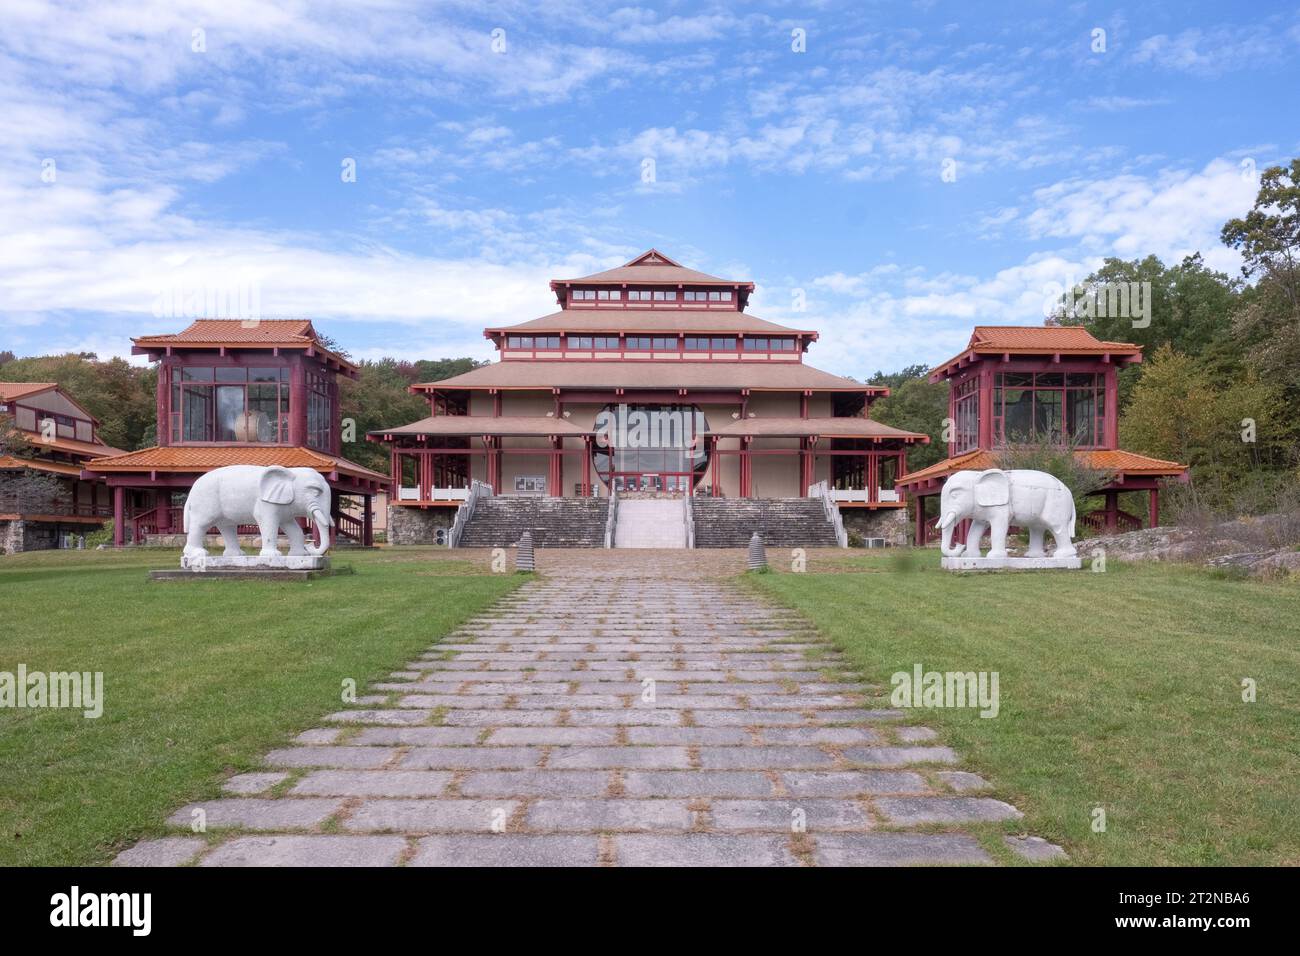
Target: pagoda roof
{"x":1105,"y":459}
{"x":1062,"y":340}
{"x":837,"y":427}
{"x":652,"y":320}
{"x":187,"y":459}
{"x":651,"y":267}
{"x":468,"y":426}
{"x":649,"y":374}
{"x":244,"y":333}
{"x":11,"y":391}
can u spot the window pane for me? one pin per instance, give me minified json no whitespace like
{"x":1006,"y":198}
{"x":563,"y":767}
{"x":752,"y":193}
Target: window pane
{"x":724,"y":345}
{"x":1018,"y":418}
{"x":1050,"y":380}
{"x":230,"y":412}
{"x":196,"y":374}
{"x":1016,"y":379}
{"x":1081,"y":416}
{"x":227,"y":374}
{"x":1047,"y":415}
{"x":264,"y":375}
{"x":1080,"y":379}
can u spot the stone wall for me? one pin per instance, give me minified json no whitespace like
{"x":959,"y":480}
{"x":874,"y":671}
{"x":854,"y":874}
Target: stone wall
{"x":888,"y":523}
{"x":407,"y":525}
{"x":19,"y":536}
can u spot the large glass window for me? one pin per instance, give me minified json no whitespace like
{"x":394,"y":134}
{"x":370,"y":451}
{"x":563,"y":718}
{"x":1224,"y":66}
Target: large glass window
{"x":651,"y":447}
{"x":1065,"y":408}
{"x":320,"y":411}
{"x":966,"y":412}
{"x":230,"y":404}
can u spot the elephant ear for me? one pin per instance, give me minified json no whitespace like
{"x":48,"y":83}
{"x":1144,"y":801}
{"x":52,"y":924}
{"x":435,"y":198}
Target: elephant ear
{"x":993,"y":488}
{"x":276,"y":486}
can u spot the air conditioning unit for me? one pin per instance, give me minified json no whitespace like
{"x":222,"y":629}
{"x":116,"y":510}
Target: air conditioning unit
{"x":441,"y":536}
{"x":874,"y":542}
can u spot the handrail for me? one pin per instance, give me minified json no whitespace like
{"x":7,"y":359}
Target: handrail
{"x":690,"y":522}
{"x":611,"y":519}
{"x":822,"y":490}
{"x":477,"y":489}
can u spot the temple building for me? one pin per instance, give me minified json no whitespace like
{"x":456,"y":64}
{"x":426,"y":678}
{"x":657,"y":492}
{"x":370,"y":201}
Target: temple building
{"x":236,"y":392}
{"x":1052,"y":384}
{"x":651,"y":380}
{"x":50,"y":435}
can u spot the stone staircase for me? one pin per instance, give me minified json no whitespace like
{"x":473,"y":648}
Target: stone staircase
{"x":499,"y":522}
{"x":782,"y":522}
{"x":650,"y":523}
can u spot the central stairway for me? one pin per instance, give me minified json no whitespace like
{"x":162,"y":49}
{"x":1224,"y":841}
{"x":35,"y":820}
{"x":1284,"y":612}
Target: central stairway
{"x":650,"y":523}
{"x":499,"y":521}
{"x":781,"y":522}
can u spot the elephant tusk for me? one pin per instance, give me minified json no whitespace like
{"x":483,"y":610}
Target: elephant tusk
{"x":947,"y":519}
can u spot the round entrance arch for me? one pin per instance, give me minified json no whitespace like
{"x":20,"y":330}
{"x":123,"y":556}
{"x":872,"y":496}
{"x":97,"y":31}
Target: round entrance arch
{"x":660,"y":448}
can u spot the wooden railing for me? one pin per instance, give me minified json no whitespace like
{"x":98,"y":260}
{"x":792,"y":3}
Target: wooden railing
{"x":1096,"y":521}
{"x":350,"y":526}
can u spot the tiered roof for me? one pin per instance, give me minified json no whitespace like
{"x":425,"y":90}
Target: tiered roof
{"x":1067,"y":341}
{"x":293,"y":334}
{"x":1112,"y":460}
{"x":649,"y":374}
{"x":187,"y":459}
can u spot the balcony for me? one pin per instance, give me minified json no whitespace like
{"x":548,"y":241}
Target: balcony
{"x":862,"y":497}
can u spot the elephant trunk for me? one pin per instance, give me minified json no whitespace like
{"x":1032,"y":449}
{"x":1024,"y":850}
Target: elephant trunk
{"x":948,"y":524}
{"x":323,"y":524}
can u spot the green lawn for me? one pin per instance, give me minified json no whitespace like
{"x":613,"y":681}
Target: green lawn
{"x":1119,"y":690}
{"x":201,"y":678}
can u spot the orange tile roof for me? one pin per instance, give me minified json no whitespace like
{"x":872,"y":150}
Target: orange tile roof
{"x":651,"y":320}
{"x":754,"y":375}
{"x":1035,"y":340}
{"x":1117,"y":460}
{"x":202,"y":458}
{"x":265,"y":333}
{"x":86,"y":449}
{"x":35,"y":464}
{"x":652,"y":267}
{"x":14,"y":390}
{"x":472,"y":425}
{"x":841,"y":427}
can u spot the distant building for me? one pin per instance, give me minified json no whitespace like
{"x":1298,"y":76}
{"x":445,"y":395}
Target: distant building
{"x":234,"y":392}
{"x":59,"y":435}
{"x":1059,"y":384}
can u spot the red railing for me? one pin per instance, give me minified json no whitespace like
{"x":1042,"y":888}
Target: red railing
{"x":60,"y":509}
{"x":1096,"y":521}
{"x":350,"y":526}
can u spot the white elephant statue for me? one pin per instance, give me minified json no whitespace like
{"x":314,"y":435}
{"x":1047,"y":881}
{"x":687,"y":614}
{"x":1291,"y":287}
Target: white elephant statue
{"x":270,"y":497}
{"x":995,"y":499}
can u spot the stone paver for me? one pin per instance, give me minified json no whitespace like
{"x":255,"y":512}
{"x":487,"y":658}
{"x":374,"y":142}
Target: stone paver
{"x":616,"y":711}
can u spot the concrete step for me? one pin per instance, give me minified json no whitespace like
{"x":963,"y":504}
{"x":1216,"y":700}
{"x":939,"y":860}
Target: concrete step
{"x":653,"y":523}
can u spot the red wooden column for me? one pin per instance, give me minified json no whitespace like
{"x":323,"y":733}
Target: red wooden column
{"x":715,"y":464}
{"x":586,"y":466}
{"x":744,"y":467}
{"x":163,"y":503}
{"x":553,"y":479}
{"x":1153,"y":507}
{"x":368,"y":520}
{"x":918,"y":537}
{"x":1112,"y":511}
{"x":119,"y":516}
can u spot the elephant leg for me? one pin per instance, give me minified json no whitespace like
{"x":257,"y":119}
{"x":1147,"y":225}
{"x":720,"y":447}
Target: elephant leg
{"x":974,"y":536}
{"x":1064,"y":546}
{"x":1036,"y":535}
{"x":194,"y":539}
{"x":230,"y":535}
{"x":269,"y":531}
{"x":293,"y":531}
{"x":998,"y":537}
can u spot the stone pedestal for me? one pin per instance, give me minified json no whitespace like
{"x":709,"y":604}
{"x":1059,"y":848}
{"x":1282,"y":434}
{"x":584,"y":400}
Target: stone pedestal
{"x":250,"y":567}
{"x":1011,"y":564}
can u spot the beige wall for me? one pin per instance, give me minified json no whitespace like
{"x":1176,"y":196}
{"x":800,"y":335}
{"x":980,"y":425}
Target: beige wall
{"x":773,"y":475}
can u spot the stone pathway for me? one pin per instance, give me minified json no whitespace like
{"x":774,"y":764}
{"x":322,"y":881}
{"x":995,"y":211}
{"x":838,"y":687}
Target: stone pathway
{"x":623,"y":718}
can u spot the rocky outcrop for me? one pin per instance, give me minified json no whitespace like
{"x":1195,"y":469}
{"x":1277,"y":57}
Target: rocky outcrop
{"x":1262,"y":546}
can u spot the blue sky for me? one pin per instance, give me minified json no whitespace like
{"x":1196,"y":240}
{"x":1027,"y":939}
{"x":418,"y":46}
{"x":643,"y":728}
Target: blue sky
{"x":140,"y":160}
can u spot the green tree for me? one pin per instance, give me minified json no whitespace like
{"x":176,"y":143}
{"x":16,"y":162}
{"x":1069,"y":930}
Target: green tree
{"x":914,"y":405}
{"x":1268,"y":238}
